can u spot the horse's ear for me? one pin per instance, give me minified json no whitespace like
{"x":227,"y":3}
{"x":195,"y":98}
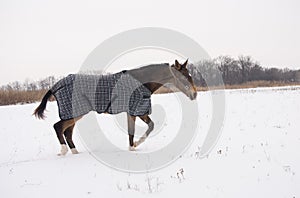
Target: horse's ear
{"x":177,"y":65}
{"x":185,"y":63}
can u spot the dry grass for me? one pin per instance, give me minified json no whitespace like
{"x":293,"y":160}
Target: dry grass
{"x":261,"y":83}
{"x":22,"y":97}
{"x":8,"y":97}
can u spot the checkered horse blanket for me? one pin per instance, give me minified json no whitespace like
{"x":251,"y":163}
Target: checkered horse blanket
{"x":78,"y":94}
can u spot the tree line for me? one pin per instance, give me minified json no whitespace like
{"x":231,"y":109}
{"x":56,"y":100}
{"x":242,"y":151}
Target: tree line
{"x":28,"y":85}
{"x":26,"y":92}
{"x":233,"y":72}
{"x":238,"y":71}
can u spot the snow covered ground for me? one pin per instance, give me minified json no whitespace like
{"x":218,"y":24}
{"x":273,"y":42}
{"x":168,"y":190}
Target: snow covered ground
{"x":256,"y":155}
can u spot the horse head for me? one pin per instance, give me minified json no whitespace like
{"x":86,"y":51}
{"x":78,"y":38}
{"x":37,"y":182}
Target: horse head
{"x":183,"y":80}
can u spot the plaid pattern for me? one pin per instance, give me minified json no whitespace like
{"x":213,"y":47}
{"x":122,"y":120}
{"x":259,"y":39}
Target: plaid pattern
{"x":78,"y":94}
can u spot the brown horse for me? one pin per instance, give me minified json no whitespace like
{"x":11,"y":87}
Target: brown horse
{"x":152,"y":77}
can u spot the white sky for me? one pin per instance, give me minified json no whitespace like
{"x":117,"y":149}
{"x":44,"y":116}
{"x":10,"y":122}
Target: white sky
{"x":42,"y":38}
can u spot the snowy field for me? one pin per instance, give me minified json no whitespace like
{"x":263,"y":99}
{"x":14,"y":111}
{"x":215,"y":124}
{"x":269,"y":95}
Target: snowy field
{"x":256,"y":155}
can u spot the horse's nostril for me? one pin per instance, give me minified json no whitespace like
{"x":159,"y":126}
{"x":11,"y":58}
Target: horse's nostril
{"x":195,"y":94}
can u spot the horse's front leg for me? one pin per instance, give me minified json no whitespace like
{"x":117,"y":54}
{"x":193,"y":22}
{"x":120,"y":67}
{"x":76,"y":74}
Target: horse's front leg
{"x":131,"y":130}
{"x":150,"y":124}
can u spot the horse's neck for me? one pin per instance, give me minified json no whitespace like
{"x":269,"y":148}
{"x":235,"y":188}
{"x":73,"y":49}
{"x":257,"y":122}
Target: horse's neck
{"x":153,"y":77}
{"x":152,"y":86}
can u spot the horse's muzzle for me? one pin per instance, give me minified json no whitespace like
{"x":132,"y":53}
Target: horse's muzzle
{"x":193,"y":95}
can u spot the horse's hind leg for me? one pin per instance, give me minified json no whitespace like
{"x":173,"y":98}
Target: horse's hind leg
{"x":68,"y":135}
{"x":60,"y":127}
{"x":59,"y":133}
{"x":150,"y":124}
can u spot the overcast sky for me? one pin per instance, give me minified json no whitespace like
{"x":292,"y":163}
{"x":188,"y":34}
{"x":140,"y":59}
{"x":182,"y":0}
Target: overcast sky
{"x":42,"y":38}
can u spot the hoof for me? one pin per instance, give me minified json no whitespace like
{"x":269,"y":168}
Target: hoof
{"x":74,"y":151}
{"x":131,"y":148}
{"x":140,"y":141}
{"x":63,"y":150}
{"x":136,"y":144}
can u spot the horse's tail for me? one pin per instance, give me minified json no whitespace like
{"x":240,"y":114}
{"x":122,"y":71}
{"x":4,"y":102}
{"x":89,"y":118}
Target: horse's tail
{"x":39,"y":111}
